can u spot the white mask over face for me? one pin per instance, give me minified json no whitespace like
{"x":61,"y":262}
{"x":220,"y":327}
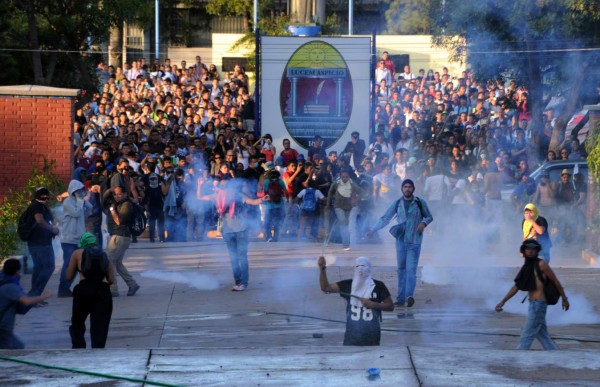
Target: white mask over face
{"x":362,"y":282}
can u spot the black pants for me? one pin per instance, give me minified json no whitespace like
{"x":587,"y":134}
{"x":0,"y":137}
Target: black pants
{"x":94,"y":299}
{"x":157,"y":216}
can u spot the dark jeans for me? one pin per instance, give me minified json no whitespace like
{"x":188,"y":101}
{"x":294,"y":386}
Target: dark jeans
{"x":160,"y":219}
{"x":43,"y":267}
{"x":8,"y":340}
{"x":237,"y":246}
{"x":68,"y":249}
{"x":176,"y":227}
{"x":94,"y":299}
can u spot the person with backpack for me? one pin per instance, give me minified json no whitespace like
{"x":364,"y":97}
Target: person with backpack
{"x":275,"y":190}
{"x":76,"y":206}
{"x":413,"y":216}
{"x":13,"y":301}
{"x":231,"y":202}
{"x":537,"y":278}
{"x":92,"y":295}
{"x":119,"y":214}
{"x":39,"y":218}
{"x":309,"y":209}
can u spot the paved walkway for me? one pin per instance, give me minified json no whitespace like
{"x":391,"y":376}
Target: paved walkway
{"x":185,"y":326}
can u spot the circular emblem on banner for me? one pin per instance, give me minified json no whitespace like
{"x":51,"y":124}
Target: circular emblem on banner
{"x":316,"y":94}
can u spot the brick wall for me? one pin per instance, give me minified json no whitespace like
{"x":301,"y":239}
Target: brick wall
{"x":33,"y":128}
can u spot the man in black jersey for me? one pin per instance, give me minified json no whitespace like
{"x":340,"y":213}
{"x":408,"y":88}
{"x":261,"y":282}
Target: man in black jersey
{"x":365,"y":299}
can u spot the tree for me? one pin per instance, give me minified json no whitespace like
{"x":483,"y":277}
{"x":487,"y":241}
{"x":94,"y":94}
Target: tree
{"x":43,"y":36}
{"x":244,"y":8}
{"x":541,"y":43}
{"x":408,"y":16}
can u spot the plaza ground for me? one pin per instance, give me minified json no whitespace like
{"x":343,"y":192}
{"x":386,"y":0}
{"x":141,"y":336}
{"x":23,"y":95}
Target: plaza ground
{"x":185,"y":326}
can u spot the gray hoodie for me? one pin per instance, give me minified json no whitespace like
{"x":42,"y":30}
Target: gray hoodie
{"x":74,"y":213}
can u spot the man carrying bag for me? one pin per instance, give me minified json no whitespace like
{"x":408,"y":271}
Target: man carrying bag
{"x":413,"y":216}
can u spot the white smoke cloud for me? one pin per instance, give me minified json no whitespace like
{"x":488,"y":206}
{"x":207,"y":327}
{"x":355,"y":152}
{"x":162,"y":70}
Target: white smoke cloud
{"x":195,"y":280}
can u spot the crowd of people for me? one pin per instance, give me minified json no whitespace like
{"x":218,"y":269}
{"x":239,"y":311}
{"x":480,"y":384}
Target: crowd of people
{"x":181,"y":142}
{"x":171,"y":133}
{"x":464,"y":141}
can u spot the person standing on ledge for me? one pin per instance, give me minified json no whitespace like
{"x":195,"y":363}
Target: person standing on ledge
{"x":365,"y":299}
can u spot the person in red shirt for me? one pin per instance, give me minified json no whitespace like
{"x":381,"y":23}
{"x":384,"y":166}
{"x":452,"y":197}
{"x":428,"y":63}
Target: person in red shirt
{"x":289,"y":154}
{"x":388,"y":63}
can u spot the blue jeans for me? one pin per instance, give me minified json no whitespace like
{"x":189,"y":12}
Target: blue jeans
{"x":535,"y":327}
{"x":347,"y":224}
{"x":237,"y":245}
{"x":43,"y":267}
{"x":68,"y":249}
{"x":273,"y":220}
{"x":407,"y":257}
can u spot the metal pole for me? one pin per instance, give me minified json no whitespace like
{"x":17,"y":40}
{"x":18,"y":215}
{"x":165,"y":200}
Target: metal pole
{"x":350,"y":16}
{"x":157,"y":30}
{"x":372,"y":83}
{"x":255,"y":14}
{"x":257,"y":115}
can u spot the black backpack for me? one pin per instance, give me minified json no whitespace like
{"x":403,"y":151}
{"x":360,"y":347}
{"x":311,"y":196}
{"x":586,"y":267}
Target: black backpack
{"x":550,"y":290}
{"x":137,"y":225}
{"x":94,"y":263}
{"x":26,"y":224}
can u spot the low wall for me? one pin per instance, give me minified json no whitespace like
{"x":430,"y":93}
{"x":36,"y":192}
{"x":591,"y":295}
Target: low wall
{"x":36,"y":122}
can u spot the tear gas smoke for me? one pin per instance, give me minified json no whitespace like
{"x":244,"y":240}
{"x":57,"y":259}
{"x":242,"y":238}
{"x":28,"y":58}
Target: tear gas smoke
{"x":192,"y":279}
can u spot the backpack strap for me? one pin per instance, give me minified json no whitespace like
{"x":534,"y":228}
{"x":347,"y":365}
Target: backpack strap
{"x":420,"y":206}
{"x":83,"y":260}
{"x":397,"y":205}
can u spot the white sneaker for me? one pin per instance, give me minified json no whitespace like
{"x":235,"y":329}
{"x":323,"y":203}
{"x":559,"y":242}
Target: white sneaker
{"x":238,"y":288}
{"x":346,"y":248}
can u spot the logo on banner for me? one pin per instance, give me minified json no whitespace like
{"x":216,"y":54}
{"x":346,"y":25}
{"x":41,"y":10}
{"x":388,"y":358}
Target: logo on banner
{"x":316,"y":94}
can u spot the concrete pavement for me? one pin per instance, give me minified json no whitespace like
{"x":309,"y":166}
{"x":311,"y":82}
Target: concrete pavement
{"x":185,"y":326}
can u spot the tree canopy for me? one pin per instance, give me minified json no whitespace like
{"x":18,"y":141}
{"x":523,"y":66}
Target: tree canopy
{"x":410,"y":17}
{"x":544,"y":44}
{"x":38,"y":37}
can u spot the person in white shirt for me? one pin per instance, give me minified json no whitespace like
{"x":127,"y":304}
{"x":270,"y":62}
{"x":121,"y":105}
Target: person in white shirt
{"x":386,"y":147}
{"x":407,"y":75}
{"x":381,"y":72}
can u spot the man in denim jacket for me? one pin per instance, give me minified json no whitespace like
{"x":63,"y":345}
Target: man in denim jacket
{"x":414,"y":213}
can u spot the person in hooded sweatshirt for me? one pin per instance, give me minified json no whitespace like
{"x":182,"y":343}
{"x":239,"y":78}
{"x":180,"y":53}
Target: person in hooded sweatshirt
{"x":532,"y":278}
{"x":75,"y":208}
{"x":535,"y":227}
{"x":365,"y":299}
